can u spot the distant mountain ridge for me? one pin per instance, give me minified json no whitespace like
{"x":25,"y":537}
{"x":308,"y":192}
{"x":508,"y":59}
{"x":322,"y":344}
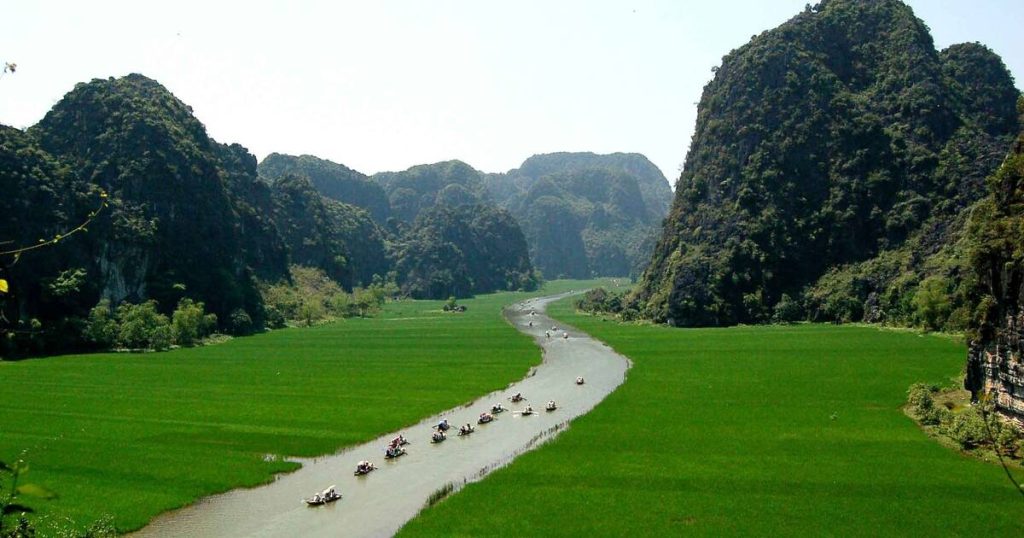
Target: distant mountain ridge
{"x":333,"y":180}
{"x":425,"y":186}
{"x":585,"y":214}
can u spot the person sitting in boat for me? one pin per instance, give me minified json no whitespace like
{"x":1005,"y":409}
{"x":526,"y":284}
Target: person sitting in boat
{"x":551,"y":405}
{"x":438,"y":436}
{"x":317,"y":499}
{"x":497,"y":408}
{"x":517,"y":397}
{"x":565,"y":335}
{"x":443,"y":425}
{"x":579,"y":380}
{"x":547,"y":334}
{"x":528,"y":410}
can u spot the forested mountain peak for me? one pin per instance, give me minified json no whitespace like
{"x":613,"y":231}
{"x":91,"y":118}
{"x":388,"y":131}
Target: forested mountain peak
{"x":657,"y":193}
{"x":585,"y":214}
{"x":332,"y":180}
{"x":449,"y":183}
{"x":823,"y":142}
{"x":136,"y":140}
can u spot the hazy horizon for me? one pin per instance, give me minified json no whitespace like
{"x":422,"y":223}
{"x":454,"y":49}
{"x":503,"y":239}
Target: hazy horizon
{"x":386,"y":86}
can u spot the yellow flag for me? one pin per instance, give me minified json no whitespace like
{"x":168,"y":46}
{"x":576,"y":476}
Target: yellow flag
{"x":3,"y":286}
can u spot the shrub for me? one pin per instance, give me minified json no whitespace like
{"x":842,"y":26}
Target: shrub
{"x":240,"y":322}
{"x":161,"y":337}
{"x":189,"y":322}
{"x":275,"y":319}
{"x":101,"y":327}
{"x":600,"y":300}
{"x":931,"y":302}
{"x":1008,"y":440}
{"x":967,"y":428}
{"x":142,"y":327}
{"x":787,"y":310}
{"x":919,"y":396}
{"x":922,"y":405}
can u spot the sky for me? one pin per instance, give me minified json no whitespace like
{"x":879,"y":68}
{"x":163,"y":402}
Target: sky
{"x":385,"y":85}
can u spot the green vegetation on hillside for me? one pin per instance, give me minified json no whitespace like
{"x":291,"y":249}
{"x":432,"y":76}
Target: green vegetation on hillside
{"x":839,"y":146}
{"x":333,"y":180}
{"x":338,"y":238}
{"x":185,"y":217}
{"x":462,"y":250}
{"x":172,"y":225}
{"x":747,"y":431}
{"x":424,"y":187}
{"x":39,"y":302}
{"x":132,"y":435}
{"x":585,"y":214}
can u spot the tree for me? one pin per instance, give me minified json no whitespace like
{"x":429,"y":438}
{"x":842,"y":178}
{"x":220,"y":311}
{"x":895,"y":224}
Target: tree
{"x":101,"y":328}
{"x":787,"y":310}
{"x":142,"y":327}
{"x":931,"y":302}
{"x":241,"y":322}
{"x":310,"y":310}
{"x":189,"y":322}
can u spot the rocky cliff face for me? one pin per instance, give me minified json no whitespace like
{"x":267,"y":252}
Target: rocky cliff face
{"x":995,"y":362}
{"x":998,"y":372}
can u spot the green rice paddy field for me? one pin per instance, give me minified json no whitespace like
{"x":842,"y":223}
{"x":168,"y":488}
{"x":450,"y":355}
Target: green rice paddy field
{"x":132,"y":435}
{"x":746,"y":431}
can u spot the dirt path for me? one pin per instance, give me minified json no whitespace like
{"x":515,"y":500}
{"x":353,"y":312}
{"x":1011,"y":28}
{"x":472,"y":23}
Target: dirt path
{"x":380,"y":503}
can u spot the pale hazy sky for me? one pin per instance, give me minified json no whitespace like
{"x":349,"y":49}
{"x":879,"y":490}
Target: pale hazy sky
{"x":383,"y":85}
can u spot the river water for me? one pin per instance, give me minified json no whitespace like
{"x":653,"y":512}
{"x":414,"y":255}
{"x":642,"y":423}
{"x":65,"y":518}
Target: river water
{"x":378,"y":504}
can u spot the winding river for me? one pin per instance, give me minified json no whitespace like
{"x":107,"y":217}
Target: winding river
{"x":380,"y":503}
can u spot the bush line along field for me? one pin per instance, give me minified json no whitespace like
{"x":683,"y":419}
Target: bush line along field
{"x":132,"y":435}
{"x":746,"y":431}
